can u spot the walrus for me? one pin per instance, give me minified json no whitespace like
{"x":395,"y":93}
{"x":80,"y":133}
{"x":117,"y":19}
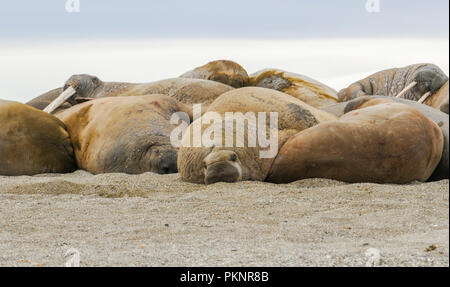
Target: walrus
{"x":81,"y":88}
{"x":223,"y":71}
{"x":438,"y":117}
{"x":411,"y":82}
{"x":32,"y":142}
{"x":301,"y":87}
{"x":219,"y":163}
{"x":124,"y":134}
{"x":385,"y":143}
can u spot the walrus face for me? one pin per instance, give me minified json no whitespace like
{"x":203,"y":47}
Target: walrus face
{"x":429,"y":80}
{"x":84,"y":85}
{"x":222,"y":166}
{"x":163,"y":161}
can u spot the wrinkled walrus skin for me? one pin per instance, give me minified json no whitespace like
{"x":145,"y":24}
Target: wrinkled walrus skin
{"x":386,"y":143}
{"x":230,"y":164}
{"x":32,"y":142}
{"x":87,"y":87}
{"x":188,"y":91}
{"x":429,"y":78}
{"x":438,"y":117}
{"x":124,"y":134}
{"x":223,"y":71}
{"x":308,"y":90}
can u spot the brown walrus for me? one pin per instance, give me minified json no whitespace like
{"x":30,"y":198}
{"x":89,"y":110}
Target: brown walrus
{"x":240,"y":161}
{"x":32,"y":142}
{"x":80,"y":88}
{"x":385,"y":143}
{"x":124,"y":134}
{"x":438,"y":117}
{"x":418,"y":80}
{"x":301,"y":87}
{"x":226,"y":72}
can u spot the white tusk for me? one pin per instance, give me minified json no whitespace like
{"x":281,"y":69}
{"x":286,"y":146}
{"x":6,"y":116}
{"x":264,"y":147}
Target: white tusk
{"x":406,"y":89}
{"x":60,"y":100}
{"x":424,"y":98}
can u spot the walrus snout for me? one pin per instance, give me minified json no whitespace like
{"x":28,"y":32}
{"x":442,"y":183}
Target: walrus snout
{"x":222,"y":172}
{"x":166,"y":162}
{"x":429,"y":80}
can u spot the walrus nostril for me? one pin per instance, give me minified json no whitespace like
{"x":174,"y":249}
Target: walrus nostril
{"x":169,"y":168}
{"x":221,"y":172}
{"x":168,"y":162}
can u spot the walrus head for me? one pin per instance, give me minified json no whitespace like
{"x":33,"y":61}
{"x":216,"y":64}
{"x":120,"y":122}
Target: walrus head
{"x":84,"y":86}
{"x":77,"y":89}
{"x":222,"y":166}
{"x":429,"y":79}
{"x":132,"y":156}
{"x":163,"y":161}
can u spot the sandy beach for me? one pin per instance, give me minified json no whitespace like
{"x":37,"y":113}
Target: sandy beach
{"x":155,"y":220}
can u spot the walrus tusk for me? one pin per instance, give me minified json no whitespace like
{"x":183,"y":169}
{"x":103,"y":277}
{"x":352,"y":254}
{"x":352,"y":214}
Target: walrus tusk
{"x":424,"y":97}
{"x":60,"y":100}
{"x":406,"y":89}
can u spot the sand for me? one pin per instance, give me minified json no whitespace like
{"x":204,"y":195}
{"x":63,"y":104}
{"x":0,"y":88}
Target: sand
{"x":155,"y":220}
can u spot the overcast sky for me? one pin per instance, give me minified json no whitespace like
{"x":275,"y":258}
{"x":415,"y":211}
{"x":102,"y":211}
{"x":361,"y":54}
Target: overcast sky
{"x":262,"y":19}
{"x":334,"y":41}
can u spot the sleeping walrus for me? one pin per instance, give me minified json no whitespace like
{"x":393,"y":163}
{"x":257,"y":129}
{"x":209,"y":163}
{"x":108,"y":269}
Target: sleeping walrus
{"x":438,"y":117}
{"x":241,"y":161}
{"x":124,"y":134}
{"x":412,"y":82}
{"x":385,"y":143}
{"x":32,"y":142}
{"x":301,"y":87}
{"x":227,"y":72}
{"x":81,"y":88}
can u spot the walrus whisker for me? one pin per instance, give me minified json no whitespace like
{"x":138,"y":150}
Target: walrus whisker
{"x":406,"y":89}
{"x":424,"y":97}
{"x":60,"y":100}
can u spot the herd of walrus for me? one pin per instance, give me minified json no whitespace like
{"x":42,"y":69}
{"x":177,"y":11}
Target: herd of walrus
{"x":391,"y":127}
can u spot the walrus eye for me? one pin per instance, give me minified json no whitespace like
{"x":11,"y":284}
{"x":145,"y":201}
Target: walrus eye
{"x":233,"y":157}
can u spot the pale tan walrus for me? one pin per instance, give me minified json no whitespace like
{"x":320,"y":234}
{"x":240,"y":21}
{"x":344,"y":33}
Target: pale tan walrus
{"x":219,"y":163}
{"x":124,"y":134}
